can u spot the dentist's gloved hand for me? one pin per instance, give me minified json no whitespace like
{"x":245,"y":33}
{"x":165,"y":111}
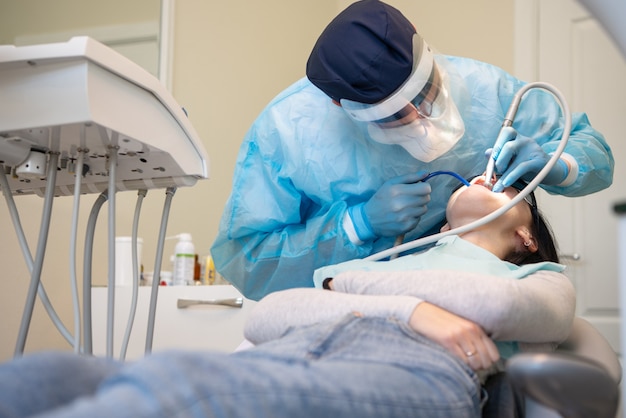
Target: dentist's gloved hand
{"x":518,"y":156}
{"x":394,"y":209}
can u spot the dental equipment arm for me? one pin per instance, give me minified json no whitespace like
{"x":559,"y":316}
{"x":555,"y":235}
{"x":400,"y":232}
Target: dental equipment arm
{"x":611,"y":14}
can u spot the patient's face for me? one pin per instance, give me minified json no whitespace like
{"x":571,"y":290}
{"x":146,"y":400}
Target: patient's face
{"x":470,"y":203}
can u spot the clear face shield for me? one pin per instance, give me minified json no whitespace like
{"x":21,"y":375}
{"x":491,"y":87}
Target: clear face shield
{"x":420,"y":116}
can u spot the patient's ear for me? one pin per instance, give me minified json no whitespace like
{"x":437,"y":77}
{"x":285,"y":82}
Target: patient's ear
{"x":445,"y":227}
{"x":526,"y":239}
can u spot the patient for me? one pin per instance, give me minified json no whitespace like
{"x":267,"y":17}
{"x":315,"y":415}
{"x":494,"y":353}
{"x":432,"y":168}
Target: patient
{"x":395,"y":342}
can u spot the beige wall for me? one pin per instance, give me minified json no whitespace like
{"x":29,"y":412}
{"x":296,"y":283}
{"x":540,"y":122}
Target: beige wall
{"x":31,"y":17}
{"x":230,"y":58}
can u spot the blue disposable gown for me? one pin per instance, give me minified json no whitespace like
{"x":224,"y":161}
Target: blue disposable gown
{"x":304,"y":162}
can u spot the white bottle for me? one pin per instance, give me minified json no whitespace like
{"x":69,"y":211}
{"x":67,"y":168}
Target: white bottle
{"x":184,"y":257}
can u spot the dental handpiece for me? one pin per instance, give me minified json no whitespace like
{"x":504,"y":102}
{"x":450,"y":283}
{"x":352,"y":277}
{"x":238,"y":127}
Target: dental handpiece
{"x":491,"y":164}
{"x":508,"y":121}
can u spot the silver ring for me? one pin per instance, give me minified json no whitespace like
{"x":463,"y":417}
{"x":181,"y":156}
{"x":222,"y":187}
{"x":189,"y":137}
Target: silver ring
{"x":470,"y":353}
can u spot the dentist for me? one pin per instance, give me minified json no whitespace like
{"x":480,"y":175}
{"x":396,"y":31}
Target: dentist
{"x":330,"y":171}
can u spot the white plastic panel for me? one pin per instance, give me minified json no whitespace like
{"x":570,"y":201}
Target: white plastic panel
{"x":82,"y":95}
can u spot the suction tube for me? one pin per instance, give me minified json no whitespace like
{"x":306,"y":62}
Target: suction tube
{"x":400,"y":238}
{"x":449,"y":173}
{"x":522,"y":194}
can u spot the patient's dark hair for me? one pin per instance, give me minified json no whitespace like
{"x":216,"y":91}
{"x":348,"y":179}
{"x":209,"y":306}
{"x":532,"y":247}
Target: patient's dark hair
{"x":546,"y":245}
{"x":541,"y":231}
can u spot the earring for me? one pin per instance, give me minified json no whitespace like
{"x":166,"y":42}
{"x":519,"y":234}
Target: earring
{"x":527,"y":243}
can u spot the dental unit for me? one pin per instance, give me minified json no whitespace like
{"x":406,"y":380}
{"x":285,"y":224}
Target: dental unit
{"x":77,"y":118}
{"x":510,"y":115}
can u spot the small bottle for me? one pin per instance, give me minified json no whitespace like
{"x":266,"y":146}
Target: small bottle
{"x":166,"y":278}
{"x":184,"y":260}
{"x":197,"y":278}
{"x":208,"y":273}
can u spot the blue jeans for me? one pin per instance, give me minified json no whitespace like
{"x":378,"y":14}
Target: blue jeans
{"x":355,"y":367}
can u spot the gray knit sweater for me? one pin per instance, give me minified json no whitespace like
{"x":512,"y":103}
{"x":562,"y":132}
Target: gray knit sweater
{"x":536,"y":311}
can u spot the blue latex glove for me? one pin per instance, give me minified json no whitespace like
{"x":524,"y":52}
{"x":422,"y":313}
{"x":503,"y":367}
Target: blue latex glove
{"x":394,"y":209}
{"x":518,"y":156}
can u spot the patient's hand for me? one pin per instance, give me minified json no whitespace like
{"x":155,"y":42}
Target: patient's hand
{"x":465,"y":339}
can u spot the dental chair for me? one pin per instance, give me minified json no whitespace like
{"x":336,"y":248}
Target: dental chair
{"x":579,"y":380}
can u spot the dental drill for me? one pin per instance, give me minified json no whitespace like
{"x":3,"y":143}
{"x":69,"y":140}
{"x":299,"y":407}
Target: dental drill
{"x":508,"y":122}
{"x":510,"y":115}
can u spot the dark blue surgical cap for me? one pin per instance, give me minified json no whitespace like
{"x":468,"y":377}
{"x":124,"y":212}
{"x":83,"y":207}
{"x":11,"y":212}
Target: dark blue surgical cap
{"x":364,"y":54}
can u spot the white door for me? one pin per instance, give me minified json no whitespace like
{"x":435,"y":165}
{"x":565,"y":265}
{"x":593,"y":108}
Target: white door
{"x":560,"y":43}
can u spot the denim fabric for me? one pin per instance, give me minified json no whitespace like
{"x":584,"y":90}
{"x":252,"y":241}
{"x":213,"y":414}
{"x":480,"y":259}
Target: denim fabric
{"x":43,"y":381}
{"x":355,"y":367}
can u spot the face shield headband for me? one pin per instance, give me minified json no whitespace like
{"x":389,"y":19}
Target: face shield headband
{"x":420,"y":116}
{"x":414,"y":90}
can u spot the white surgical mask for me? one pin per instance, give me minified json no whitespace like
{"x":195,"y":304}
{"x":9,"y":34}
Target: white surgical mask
{"x":426,"y":139}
